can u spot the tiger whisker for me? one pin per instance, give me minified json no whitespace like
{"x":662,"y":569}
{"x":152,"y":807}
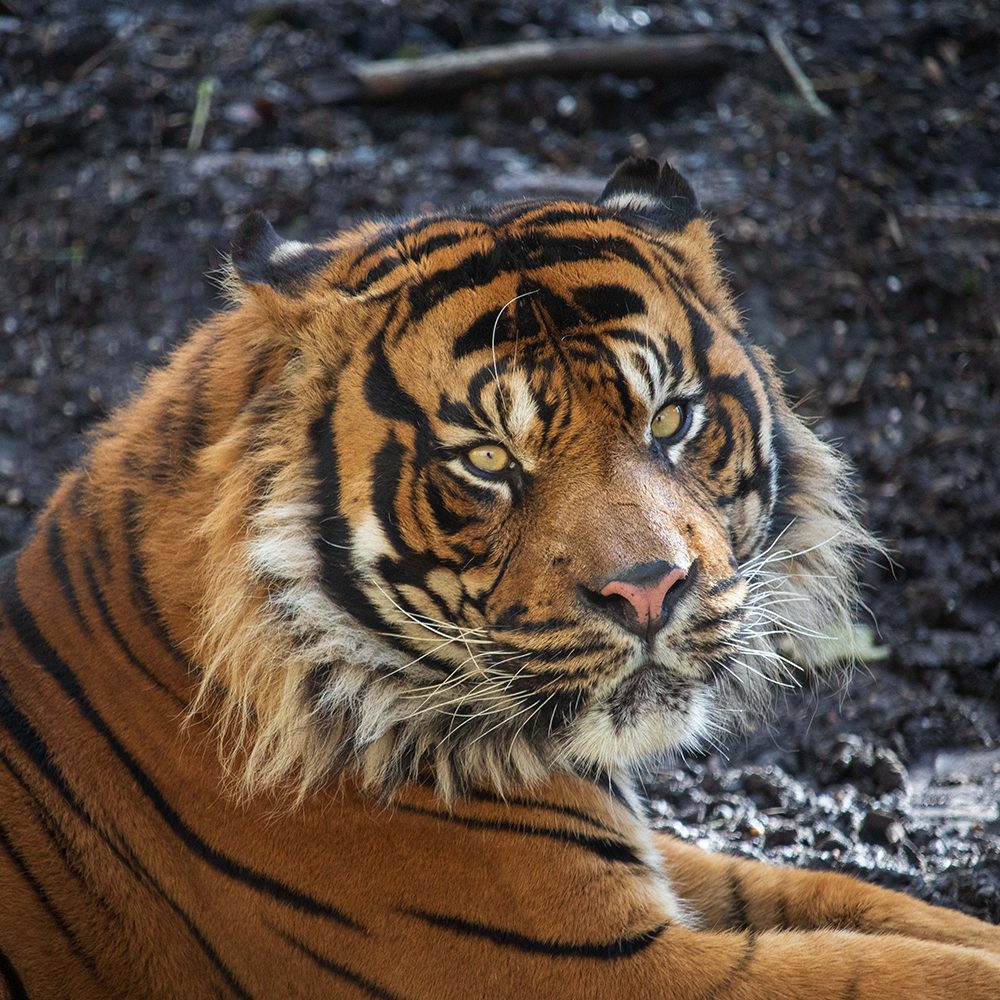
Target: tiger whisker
{"x":500,"y":723}
{"x":414,"y":618}
{"x":762,"y":675}
{"x":493,"y":337}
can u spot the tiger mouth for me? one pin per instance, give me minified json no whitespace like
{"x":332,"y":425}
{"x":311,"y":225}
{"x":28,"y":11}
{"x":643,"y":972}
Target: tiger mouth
{"x":649,"y":685}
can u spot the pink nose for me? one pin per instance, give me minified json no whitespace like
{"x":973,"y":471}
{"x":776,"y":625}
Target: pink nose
{"x":644,"y":596}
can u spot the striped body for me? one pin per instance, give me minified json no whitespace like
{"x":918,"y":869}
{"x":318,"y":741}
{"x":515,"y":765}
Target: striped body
{"x":260,"y":731}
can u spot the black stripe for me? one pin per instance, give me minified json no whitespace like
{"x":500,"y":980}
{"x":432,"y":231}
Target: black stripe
{"x":31,"y":638}
{"x":387,"y":476}
{"x":56,"y":834}
{"x":389,"y":263}
{"x":407,"y":574}
{"x":480,"y":494}
{"x":487,"y":331}
{"x":141,"y":595}
{"x":618,"y":381}
{"x":739,"y":918}
{"x":719,"y":417}
{"x":509,"y":212}
{"x":484,"y":596}
{"x":396,"y":231}
{"x":526,"y":251}
{"x":383,"y":391}
{"x":436,"y":242}
{"x":555,"y":215}
{"x":46,"y":903}
{"x":100,"y":544}
{"x":31,"y":744}
{"x":8,"y":974}
{"x":559,"y":658}
{"x":458,"y":413}
{"x":94,"y":590}
{"x":192,"y":429}
{"x":259,"y":368}
{"x":39,"y":754}
{"x":337,"y":574}
{"x":604,"y":847}
{"x":606,"y":951}
{"x":328,"y":965}
{"x":450,"y":522}
{"x":735,"y":975}
{"x":541,"y":804}
{"x":545,"y":625}
{"x":703,"y":624}
{"x":608,"y":302}
{"x":853,"y":989}
{"x":57,"y":560}
{"x":727,"y":584}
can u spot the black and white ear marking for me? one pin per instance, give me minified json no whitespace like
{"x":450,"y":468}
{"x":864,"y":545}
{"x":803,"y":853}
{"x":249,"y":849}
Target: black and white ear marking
{"x":261,"y":257}
{"x":642,"y":188}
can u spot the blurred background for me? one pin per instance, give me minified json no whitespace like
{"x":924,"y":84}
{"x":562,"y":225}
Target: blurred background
{"x":849,"y":155}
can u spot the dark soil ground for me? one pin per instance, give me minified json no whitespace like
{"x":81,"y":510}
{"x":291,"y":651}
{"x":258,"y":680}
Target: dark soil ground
{"x":863,"y":246}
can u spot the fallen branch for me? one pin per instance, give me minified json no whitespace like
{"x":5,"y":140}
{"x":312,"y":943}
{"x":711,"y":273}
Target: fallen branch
{"x":684,"y":55}
{"x":794,"y":70}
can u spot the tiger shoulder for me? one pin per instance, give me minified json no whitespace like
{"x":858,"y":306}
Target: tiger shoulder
{"x":327,"y":671}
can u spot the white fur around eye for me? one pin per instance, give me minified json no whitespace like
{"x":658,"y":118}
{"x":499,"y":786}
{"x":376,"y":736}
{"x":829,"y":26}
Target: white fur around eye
{"x":634,"y":371}
{"x":697,"y":411}
{"x":522,"y":411}
{"x":497,"y":485}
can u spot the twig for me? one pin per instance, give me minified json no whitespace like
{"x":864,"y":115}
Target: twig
{"x":794,"y":70}
{"x":700,"y":54}
{"x":89,"y":65}
{"x":202,"y":107}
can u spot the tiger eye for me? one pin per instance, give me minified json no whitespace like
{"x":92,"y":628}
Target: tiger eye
{"x":489,"y":457}
{"x":669,"y":420}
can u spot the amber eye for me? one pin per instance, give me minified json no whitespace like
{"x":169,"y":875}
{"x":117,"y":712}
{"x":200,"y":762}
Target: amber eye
{"x":489,"y":458}
{"x":670,"y":422}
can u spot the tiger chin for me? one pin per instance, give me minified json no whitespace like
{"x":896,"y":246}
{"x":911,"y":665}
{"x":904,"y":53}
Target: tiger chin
{"x":326,"y":672}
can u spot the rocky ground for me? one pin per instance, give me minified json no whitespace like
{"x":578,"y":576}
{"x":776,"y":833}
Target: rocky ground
{"x":863,"y":247}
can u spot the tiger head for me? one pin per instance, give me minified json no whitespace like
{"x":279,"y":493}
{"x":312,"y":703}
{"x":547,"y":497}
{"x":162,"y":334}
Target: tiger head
{"x":523,"y":498}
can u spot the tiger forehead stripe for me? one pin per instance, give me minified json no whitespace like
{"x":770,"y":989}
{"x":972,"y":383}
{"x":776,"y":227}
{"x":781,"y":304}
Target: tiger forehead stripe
{"x":402,"y":249}
{"x":484,"y":253}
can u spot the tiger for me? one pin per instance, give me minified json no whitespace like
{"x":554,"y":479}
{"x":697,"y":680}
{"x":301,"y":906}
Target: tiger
{"x":331,"y":668}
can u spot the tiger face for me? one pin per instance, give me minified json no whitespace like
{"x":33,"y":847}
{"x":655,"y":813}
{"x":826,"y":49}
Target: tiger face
{"x":532,"y":499}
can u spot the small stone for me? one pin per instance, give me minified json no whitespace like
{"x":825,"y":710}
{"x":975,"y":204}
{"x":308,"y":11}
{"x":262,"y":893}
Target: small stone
{"x":764,"y":788}
{"x":566,"y":106}
{"x":887,"y":772}
{"x":881,"y":828}
{"x":832,"y":842}
{"x":781,"y":836}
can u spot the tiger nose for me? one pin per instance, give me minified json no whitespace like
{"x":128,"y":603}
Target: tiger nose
{"x":641,"y":597}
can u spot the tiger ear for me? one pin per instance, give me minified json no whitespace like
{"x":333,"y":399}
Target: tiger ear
{"x":262,"y":259}
{"x":656,"y":194}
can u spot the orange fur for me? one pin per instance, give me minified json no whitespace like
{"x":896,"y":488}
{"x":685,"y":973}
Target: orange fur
{"x":275,"y":665}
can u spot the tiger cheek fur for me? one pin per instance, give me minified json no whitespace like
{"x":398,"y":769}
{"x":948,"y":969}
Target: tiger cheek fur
{"x":328,"y":670}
